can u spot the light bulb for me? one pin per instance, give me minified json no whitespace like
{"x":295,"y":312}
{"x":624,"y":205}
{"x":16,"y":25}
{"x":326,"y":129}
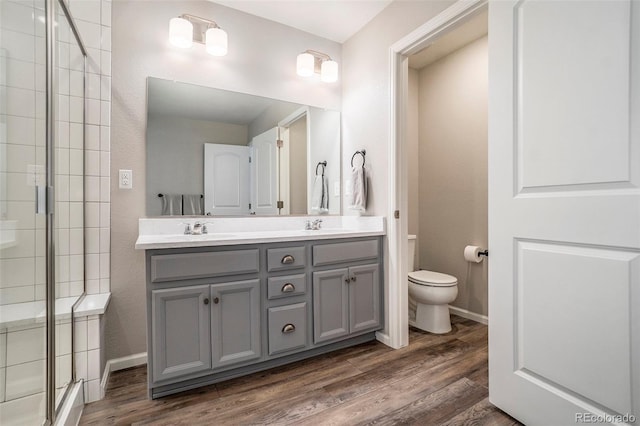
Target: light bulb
{"x":216,"y":41}
{"x":305,"y":64}
{"x":180,"y":33}
{"x":329,"y":71}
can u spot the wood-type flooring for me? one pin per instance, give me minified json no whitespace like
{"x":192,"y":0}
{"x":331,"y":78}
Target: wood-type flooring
{"x":436,"y":380}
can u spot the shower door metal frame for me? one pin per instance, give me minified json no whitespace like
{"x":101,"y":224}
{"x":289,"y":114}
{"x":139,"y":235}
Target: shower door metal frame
{"x":51,"y":80}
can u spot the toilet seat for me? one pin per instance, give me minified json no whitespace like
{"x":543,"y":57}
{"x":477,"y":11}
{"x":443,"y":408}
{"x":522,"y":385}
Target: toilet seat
{"x":432,"y":279}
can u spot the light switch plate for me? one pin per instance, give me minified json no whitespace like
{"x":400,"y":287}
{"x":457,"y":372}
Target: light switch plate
{"x":126,"y":179}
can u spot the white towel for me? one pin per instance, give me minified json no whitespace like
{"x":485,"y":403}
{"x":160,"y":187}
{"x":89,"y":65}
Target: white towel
{"x":172,"y":205}
{"x":192,"y":205}
{"x":358,"y":189}
{"x":320,"y":195}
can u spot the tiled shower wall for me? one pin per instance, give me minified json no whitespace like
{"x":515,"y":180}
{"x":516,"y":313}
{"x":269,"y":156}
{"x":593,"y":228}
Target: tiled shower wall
{"x":22,"y":130}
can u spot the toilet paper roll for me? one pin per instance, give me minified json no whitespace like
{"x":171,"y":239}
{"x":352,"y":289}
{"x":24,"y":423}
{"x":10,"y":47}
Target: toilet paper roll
{"x":472,"y":254}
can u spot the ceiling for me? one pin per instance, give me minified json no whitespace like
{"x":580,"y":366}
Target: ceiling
{"x":335,"y":20}
{"x":469,"y":31}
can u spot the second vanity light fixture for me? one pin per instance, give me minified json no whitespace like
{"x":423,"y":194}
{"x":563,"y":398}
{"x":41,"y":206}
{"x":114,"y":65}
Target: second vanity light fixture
{"x":186,"y":29}
{"x":311,"y":62}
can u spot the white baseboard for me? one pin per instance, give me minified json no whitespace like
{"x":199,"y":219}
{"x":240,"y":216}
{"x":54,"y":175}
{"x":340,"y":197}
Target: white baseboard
{"x":383,"y":338}
{"x":120,"y":364}
{"x":482,"y":319}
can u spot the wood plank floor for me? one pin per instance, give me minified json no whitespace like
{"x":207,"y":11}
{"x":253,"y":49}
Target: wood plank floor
{"x":436,"y":380}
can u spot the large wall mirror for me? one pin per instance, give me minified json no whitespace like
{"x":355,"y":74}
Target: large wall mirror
{"x":216,"y":152}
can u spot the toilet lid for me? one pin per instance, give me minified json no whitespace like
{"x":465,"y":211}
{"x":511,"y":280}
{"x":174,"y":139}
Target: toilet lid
{"x":432,"y":278}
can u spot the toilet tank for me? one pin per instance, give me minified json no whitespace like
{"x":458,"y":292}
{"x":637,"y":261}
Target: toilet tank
{"x":411,"y":253}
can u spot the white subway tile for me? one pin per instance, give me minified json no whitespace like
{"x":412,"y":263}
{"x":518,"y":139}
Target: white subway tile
{"x":18,"y":158}
{"x":63,"y":55}
{"x":105,"y":285}
{"x":23,"y":212}
{"x":90,"y":33}
{"x":62,"y":161}
{"x":92,"y":187}
{"x":24,"y":247}
{"x":18,"y":45}
{"x":25,"y":379}
{"x":95,"y":391}
{"x":16,"y":272}
{"x":76,"y":269}
{"x":26,"y":345}
{"x":3,"y":350}
{"x":63,"y":370}
{"x":76,"y":83}
{"x":63,"y":136}
{"x":105,"y":138}
{"x":81,"y":365}
{"x":80,"y":335}
{"x":86,"y":10}
{"x":106,"y":13}
{"x":2,"y":383}
{"x":92,"y":238}
{"x":76,"y":109}
{"x":93,"y":334}
{"x":105,"y":265}
{"x":63,"y":339}
{"x":76,"y":242}
{"x":105,"y":163}
{"x":92,"y":211}
{"x":75,"y":135}
{"x":92,"y":163}
{"x":93,"y":86}
{"x":41,"y":292}
{"x":105,"y":189}
{"x":93,"y":111}
{"x":63,"y":81}
{"x":76,"y":288}
{"x":105,"y":113}
{"x":24,"y":411}
{"x":76,"y":159}
{"x":105,"y":240}
{"x":93,"y":364}
{"x":93,"y":60}
{"x":105,"y":215}
{"x":106,"y":38}
{"x":93,"y":137}
{"x":76,"y":215}
{"x":93,"y":286}
{"x":19,"y":102}
{"x":41,"y":270}
{"x":106,"y":62}
{"x":17,"y":17}
{"x":93,"y":267}
{"x":9,"y":296}
{"x":76,"y":188}
{"x":62,"y":269}
{"x":21,"y":130}
{"x":20,"y":74}
{"x":76,"y":58}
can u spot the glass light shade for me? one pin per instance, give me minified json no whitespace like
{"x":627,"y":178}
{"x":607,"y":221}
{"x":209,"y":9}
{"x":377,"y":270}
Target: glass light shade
{"x":216,"y":42}
{"x":305,"y":64}
{"x":180,"y":32}
{"x":329,"y":71}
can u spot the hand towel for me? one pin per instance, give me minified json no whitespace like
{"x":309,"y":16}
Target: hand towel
{"x":320,"y":195}
{"x":171,"y":205}
{"x":358,"y":189}
{"x":192,"y":205}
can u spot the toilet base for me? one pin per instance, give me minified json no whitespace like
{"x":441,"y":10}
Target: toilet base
{"x":432,"y":318}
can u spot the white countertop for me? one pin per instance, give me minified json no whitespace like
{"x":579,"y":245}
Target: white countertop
{"x":160,"y":233}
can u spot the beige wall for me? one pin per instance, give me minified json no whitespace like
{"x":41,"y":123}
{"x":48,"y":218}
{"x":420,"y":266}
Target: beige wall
{"x":453,"y":169}
{"x":413,"y":160}
{"x":298,"y":166}
{"x":261,"y":61}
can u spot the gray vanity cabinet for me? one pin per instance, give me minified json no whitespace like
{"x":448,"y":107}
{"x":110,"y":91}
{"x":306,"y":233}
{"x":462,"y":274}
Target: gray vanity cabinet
{"x":235,"y":322}
{"x":181,"y":331}
{"x":345,"y":301}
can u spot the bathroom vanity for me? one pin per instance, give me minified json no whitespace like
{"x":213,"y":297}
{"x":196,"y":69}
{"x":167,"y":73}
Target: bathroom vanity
{"x":227,"y":304}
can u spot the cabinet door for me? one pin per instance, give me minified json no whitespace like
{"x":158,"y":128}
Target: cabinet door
{"x":181,"y":333}
{"x":330,"y":304}
{"x":235,"y":322}
{"x":364,"y":298}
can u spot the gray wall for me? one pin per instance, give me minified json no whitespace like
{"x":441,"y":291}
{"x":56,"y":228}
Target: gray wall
{"x":261,"y":61}
{"x":452,"y":169}
{"x":175,"y":154}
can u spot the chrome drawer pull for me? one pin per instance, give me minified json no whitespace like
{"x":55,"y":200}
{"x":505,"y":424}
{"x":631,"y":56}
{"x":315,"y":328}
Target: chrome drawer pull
{"x":288,"y":288}
{"x":288,"y":260}
{"x":289,"y":328}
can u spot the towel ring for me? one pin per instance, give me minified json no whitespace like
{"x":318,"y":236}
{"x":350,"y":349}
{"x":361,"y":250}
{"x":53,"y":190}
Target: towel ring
{"x":363,"y":153}
{"x":323,"y":164}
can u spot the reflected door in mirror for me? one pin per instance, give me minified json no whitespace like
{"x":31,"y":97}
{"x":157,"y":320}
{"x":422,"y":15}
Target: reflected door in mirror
{"x":226,"y":186}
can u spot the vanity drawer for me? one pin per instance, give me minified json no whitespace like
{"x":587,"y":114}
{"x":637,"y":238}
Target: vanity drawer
{"x":279,"y":259}
{"x":171,"y":267}
{"x":291,"y":285}
{"x":325,"y":254}
{"x":287,"y":328}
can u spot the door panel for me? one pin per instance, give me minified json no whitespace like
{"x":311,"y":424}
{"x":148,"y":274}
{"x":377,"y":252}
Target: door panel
{"x":564,"y":209}
{"x":181,"y":334}
{"x":364,"y":298}
{"x":226,"y":179}
{"x":235,"y":322}
{"x":330,"y":304}
{"x":264,"y":173}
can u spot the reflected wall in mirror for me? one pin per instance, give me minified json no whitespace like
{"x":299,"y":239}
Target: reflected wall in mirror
{"x":217,"y":152}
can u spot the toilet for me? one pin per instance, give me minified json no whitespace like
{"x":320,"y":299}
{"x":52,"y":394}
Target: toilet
{"x":429,"y":296}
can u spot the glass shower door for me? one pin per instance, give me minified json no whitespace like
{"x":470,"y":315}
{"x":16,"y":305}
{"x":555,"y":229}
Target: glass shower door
{"x":23,"y":312}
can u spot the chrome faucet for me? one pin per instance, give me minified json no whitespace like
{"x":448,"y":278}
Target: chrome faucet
{"x":307,"y":225}
{"x":199,"y":228}
{"x":317,"y":224}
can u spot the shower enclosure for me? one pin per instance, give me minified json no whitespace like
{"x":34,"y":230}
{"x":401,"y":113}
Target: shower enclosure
{"x":42,"y":115}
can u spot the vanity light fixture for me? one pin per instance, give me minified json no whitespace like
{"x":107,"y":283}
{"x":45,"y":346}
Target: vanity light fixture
{"x":186,"y":29}
{"x":311,"y":62}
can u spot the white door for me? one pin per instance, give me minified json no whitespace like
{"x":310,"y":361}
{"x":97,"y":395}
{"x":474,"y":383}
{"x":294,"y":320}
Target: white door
{"x":226,"y":179}
{"x":564,"y":210}
{"x":264,"y":173}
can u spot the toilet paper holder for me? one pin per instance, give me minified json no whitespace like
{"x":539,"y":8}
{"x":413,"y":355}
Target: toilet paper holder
{"x":484,"y":253}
